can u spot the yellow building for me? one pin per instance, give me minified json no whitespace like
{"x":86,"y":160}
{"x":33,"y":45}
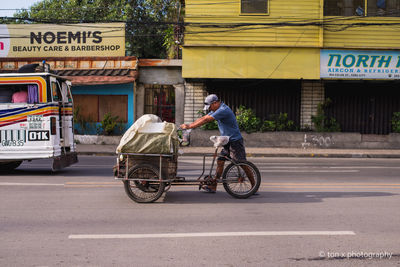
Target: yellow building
{"x":287,"y":56}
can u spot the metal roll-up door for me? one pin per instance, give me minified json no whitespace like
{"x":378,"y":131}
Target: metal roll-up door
{"x":265,"y":97}
{"x":364,"y":107}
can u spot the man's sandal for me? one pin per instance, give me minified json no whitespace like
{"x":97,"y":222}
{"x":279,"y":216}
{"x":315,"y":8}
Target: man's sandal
{"x":207,"y":189}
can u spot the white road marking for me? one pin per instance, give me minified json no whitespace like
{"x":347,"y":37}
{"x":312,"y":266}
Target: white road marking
{"x":364,"y":167}
{"x":29,"y":184}
{"x":30,"y":165}
{"x":329,"y":167}
{"x":215,"y":234}
{"x":309,"y":171}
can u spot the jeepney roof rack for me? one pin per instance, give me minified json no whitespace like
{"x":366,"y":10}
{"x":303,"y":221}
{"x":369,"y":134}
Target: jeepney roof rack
{"x":35,"y":67}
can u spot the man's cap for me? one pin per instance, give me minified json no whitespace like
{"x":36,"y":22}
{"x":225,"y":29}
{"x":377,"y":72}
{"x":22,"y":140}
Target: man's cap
{"x":209,"y":100}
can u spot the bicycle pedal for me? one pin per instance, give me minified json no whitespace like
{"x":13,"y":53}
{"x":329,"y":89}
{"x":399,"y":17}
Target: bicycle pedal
{"x":201,"y":185}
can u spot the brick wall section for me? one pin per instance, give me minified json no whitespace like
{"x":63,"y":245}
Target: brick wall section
{"x":312,"y":93}
{"x":194,"y":100}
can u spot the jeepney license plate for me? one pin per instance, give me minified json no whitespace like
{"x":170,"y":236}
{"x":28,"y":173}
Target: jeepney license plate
{"x":12,"y":137}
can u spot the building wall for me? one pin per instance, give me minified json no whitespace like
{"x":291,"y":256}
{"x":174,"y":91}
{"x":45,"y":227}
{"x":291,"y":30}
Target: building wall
{"x":251,"y":63}
{"x":161,"y":72}
{"x":379,"y":36}
{"x":161,"y":75}
{"x":179,"y":104}
{"x":216,"y":24}
{"x":140,"y":100}
{"x":228,"y":12}
{"x":222,"y":43}
{"x":252,"y":51}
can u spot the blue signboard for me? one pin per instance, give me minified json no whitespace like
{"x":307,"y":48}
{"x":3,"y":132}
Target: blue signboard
{"x":352,"y":64}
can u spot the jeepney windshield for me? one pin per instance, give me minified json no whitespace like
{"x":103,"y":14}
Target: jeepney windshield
{"x":69,"y":94}
{"x":56,"y":92}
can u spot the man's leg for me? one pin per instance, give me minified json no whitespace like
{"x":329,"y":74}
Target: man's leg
{"x":220,"y":166}
{"x":218,"y":174}
{"x":250,"y":175}
{"x":239,"y":154}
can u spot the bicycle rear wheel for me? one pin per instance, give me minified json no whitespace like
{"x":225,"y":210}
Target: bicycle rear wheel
{"x":241,"y":180}
{"x":147,"y":189}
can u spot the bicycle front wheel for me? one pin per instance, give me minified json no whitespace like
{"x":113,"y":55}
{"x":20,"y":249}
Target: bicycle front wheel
{"x":146,"y":188}
{"x":241,"y":180}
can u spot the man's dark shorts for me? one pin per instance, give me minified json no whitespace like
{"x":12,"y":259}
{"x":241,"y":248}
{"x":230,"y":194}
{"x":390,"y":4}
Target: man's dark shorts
{"x":234,"y":149}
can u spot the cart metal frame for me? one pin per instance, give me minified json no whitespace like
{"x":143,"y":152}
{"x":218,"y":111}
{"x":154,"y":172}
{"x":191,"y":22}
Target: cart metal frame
{"x":177,"y":180}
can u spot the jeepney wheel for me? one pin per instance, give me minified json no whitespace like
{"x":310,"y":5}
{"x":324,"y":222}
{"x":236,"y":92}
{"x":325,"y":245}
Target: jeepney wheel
{"x":147,"y":188}
{"x":241,"y":180}
{"x":9,"y":166}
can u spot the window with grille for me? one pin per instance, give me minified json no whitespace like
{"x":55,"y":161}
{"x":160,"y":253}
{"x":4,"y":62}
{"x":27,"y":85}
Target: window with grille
{"x":254,"y":6}
{"x":344,"y":7}
{"x":386,"y":8}
{"x":160,"y":101}
{"x":372,"y":8}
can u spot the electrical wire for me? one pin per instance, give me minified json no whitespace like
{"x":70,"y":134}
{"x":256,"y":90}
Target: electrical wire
{"x":334,"y":24}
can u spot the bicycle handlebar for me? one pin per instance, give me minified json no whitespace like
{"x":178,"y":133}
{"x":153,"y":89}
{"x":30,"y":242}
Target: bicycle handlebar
{"x":184,"y":136}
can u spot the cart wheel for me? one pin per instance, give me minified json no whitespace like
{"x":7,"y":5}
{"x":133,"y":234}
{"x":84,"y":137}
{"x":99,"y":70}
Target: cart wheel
{"x":237,"y":179}
{"x":144,"y":191}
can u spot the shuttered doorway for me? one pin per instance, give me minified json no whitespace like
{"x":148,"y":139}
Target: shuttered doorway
{"x":265,"y":97}
{"x":363,"y":107}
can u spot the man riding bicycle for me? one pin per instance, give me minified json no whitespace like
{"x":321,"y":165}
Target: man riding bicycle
{"x":228,"y":126}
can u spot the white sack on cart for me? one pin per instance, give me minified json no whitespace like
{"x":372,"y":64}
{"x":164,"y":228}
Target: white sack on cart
{"x":148,"y":135}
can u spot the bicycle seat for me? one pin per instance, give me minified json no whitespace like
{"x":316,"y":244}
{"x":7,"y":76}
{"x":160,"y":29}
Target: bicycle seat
{"x":219,"y":141}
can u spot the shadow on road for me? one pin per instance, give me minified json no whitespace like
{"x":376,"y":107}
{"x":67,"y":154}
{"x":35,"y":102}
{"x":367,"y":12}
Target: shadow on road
{"x":193,"y":197}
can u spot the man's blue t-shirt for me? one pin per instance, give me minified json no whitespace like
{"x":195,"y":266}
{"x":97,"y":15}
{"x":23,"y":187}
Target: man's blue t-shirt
{"x":227,"y":123}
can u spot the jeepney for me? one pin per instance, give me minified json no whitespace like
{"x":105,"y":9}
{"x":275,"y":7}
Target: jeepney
{"x":40,"y":126}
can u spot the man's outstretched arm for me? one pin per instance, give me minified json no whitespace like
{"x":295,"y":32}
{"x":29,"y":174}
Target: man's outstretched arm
{"x":199,"y":122}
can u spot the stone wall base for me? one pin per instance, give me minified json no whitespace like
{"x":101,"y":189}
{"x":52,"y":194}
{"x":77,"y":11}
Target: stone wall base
{"x":306,"y":140}
{"x":97,"y":139}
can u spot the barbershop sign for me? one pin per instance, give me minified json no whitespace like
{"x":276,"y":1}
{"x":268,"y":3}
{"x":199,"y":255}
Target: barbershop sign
{"x":347,"y":64}
{"x":69,"y":40}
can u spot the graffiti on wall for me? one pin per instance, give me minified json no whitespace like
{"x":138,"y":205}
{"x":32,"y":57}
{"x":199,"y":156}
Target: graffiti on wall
{"x":319,"y":141}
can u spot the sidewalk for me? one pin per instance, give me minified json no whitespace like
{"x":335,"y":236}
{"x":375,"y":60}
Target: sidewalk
{"x":109,"y":150}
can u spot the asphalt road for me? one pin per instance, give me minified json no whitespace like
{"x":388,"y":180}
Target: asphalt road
{"x":310,"y":212}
